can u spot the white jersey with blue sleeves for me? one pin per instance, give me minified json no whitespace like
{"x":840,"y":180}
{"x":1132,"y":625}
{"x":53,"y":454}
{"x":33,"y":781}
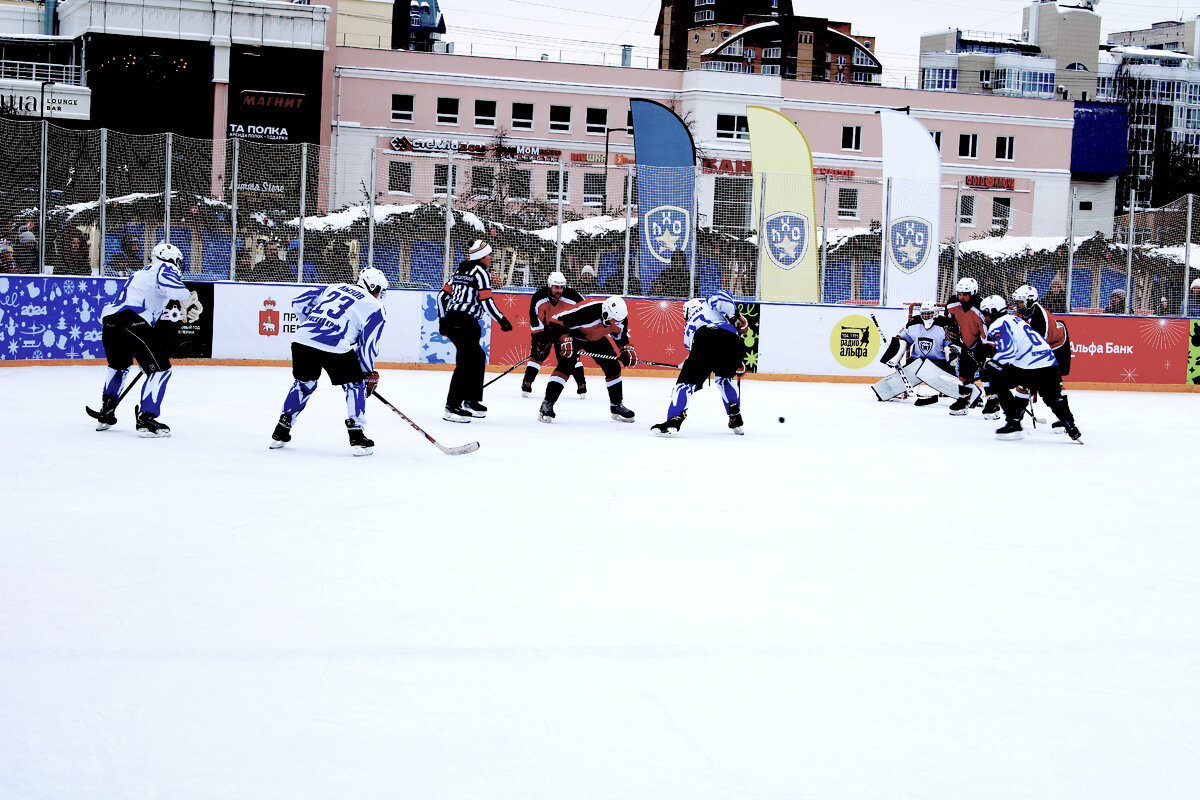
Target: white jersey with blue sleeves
{"x":1018,"y":344}
{"x":147,"y":292}
{"x":710,"y":314}
{"x":340,"y":318}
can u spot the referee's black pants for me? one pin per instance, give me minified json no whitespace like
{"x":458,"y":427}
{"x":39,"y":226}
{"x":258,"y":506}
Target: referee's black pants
{"x":469,"y":361}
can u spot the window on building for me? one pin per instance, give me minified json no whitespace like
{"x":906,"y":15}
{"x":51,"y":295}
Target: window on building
{"x":861,"y":59}
{"x":732,"y":200}
{"x":552,"y":186}
{"x":1001,"y":213}
{"x":560,"y":119}
{"x":402,"y":108}
{"x":732,"y":126}
{"x":804,"y":37}
{"x":966,"y":210}
{"x":399,"y":177}
{"x":852,"y":137}
{"x":840,"y":77}
{"x":985,"y":76}
{"x":937,"y":139}
{"x":706,"y":2}
{"x":1085,"y":205}
{"x":593,"y":188}
{"x":1004,"y":148}
{"x":597,"y":120}
{"x":847,"y":203}
{"x":968,"y":145}
{"x":483,"y":181}
{"x":440,"y":171}
{"x":770,"y":69}
{"x":520,"y":184}
{"x":522,"y":116}
{"x":939,"y":79}
{"x":485,"y":113}
{"x":447,"y":110}
{"x":772,"y":52}
{"x":705,"y":16}
{"x":750,"y":53}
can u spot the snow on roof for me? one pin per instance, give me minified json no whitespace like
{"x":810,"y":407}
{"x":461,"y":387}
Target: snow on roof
{"x":1145,"y":52}
{"x":1176,"y":254}
{"x":592,"y":226}
{"x":739,"y":35}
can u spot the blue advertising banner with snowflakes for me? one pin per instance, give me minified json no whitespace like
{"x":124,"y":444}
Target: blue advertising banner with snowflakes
{"x":48,"y":317}
{"x":436,"y":348}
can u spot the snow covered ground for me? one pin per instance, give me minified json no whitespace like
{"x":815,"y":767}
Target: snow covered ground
{"x":867,"y":601}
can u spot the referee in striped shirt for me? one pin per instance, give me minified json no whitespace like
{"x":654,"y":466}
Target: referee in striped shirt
{"x":461,"y":304}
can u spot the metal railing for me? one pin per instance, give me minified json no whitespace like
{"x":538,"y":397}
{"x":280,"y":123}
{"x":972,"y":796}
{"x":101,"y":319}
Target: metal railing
{"x":37,"y":71}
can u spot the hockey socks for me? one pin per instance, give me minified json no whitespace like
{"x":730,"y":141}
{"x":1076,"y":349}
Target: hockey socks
{"x":113,"y":382}
{"x":681,"y":394}
{"x":297,"y":398}
{"x":153,"y":391}
{"x":356,"y":401}
{"x":731,"y":395}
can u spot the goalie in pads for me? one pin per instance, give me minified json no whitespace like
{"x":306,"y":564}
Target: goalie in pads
{"x":925,"y":340}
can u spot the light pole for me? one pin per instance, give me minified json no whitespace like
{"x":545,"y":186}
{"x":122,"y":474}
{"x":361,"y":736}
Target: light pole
{"x":607,"y":131}
{"x":42,"y":101}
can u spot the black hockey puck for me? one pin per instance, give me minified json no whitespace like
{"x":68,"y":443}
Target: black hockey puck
{"x":781,"y":419}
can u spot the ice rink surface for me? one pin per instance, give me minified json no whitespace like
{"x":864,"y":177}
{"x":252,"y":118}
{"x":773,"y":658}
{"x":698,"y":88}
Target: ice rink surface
{"x":866,"y":601}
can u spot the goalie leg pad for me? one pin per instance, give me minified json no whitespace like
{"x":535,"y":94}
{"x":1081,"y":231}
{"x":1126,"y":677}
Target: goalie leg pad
{"x":889,"y":387}
{"x":930,"y":373}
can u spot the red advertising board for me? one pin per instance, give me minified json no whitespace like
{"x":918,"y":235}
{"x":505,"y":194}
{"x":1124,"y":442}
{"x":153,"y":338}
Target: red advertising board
{"x":1132,"y":350}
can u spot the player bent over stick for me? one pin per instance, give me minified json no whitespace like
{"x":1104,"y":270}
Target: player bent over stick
{"x":554,"y":298}
{"x":596,"y":328}
{"x":713,"y":336}
{"x":1021,"y":357}
{"x":339,"y":333}
{"x":130,"y":332}
{"x":928,"y":336}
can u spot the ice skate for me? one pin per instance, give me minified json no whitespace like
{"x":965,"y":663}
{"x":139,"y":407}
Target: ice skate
{"x":457,"y":414}
{"x":670,"y":427}
{"x":107,"y":416}
{"x":475,"y":409}
{"x":991,"y":409}
{"x":620,"y":413}
{"x":360,"y":445}
{"x":526,"y":388}
{"x":1011,"y":430}
{"x":735,"y":419}
{"x":148,"y":426}
{"x":283,"y":432}
{"x":546,"y":412}
{"x":582,"y":391}
{"x":1072,"y":431}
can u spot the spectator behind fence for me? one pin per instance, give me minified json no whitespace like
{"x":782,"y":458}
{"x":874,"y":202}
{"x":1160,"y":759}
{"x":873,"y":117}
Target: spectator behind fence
{"x":1055,"y":300}
{"x":616,"y":285}
{"x":587,"y":280}
{"x":675,"y":280}
{"x":74,"y":252}
{"x":335,"y":266}
{"x":1116,"y":303}
{"x":128,"y":260}
{"x":272,"y":268}
{"x":7,"y":263}
{"x":26,"y":254}
{"x":1193,"y":301}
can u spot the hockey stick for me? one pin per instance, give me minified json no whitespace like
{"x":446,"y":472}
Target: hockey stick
{"x":639,"y":361}
{"x":502,"y":374}
{"x":450,"y":451}
{"x":908,"y":387}
{"x":132,"y":383}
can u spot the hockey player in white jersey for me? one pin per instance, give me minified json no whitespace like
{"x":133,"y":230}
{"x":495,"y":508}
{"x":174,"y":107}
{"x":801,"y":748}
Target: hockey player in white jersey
{"x":130,"y":332}
{"x":925,"y":340}
{"x":338,"y":333}
{"x":713,"y":336}
{"x":1018,"y":356}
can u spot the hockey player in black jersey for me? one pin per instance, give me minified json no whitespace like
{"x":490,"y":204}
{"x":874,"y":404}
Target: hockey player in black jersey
{"x":554,"y":298}
{"x":598,"y":328}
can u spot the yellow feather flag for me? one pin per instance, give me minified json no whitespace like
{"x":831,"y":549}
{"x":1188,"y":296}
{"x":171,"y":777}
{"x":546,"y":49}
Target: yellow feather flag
{"x":784,"y":208}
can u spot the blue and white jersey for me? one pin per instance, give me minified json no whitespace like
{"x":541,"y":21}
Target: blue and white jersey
{"x":147,"y":292}
{"x":340,"y":318}
{"x":1018,"y":344}
{"x":713,"y":312}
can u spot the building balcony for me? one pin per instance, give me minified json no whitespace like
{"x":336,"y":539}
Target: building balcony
{"x":39,"y":72}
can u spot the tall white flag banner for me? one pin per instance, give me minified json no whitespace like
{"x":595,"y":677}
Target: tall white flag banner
{"x":912,"y":209}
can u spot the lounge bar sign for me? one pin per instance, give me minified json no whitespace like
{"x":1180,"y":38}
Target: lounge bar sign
{"x":989,"y":182}
{"x":63,"y":101}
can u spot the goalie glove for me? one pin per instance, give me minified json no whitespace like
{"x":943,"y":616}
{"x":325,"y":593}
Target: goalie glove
{"x":192,"y":308}
{"x":566,"y":346}
{"x":371,"y":379}
{"x":628,"y":355}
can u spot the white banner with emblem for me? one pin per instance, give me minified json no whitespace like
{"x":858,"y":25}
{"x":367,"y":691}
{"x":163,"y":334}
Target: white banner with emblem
{"x":912,"y":207}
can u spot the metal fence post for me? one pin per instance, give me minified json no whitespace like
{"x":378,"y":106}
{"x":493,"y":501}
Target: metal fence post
{"x":1129,"y":256}
{"x":824,"y":235}
{"x":371,"y":212}
{"x":447,"y":267}
{"x":167,"y":192}
{"x":1070,"y":245}
{"x":629,"y":168}
{"x":883,"y":242}
{"x":957,"y":231}
{"x":558,"y":243}
{"x":303,"y":205}
{"x":1187,"y":260}
{"x":104,"y":195}
{"x":695,"y":234}
{"x":758,"y":234}
{"x":233,"y":209}
{"x":42,"y":203}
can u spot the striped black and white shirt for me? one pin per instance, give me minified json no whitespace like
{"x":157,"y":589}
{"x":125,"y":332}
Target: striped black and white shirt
{"x":469,"y":290}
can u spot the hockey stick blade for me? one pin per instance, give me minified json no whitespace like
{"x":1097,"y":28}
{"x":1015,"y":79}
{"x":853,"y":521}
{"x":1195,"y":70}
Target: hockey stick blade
{"x":96,"y":414}
{"x":461,"y":449}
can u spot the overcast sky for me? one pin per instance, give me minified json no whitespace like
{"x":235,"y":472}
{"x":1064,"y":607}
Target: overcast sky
{"x":591,"y":31}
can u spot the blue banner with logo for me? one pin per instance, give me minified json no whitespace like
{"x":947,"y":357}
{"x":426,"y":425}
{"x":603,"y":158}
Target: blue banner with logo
{"x":666,"y":182}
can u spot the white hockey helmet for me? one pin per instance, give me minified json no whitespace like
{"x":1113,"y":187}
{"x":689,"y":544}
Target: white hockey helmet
{"x":691,"y":307}
{"x":967,"y":286}
{"x":556,"y":278}
{"x":613,"y":308}
{"x":166,"y":253}
{"x":993,"y":306}
{"x":373,"y":281}
{"x":928,"y":311}
{"x":1025,"y":294}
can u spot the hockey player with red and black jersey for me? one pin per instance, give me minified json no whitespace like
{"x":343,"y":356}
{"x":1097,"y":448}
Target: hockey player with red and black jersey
{"x":554,"y":298}
{"x":969,"y":330}
{"x":599,"y":328}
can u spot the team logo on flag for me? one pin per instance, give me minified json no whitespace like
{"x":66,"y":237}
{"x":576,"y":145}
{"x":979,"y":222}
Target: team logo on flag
{"x":909,"y":239}
{"x":668,"y":228}
{"x":268,"y":319}
{"x":787,"y":238}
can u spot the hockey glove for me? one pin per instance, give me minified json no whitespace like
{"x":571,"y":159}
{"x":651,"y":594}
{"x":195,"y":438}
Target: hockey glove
{"x":628,"y":355}
{"x":192,"y":308}
{"x":172,"y":313}
{"x":505,"y":325}
{"x":741,"y":370}
{"x":742,"y":325}
{"x":371,"y":379}
{"x":566,"y":346}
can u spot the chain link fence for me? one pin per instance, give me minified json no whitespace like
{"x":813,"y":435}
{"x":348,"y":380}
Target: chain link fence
{"x":249,"y":211}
